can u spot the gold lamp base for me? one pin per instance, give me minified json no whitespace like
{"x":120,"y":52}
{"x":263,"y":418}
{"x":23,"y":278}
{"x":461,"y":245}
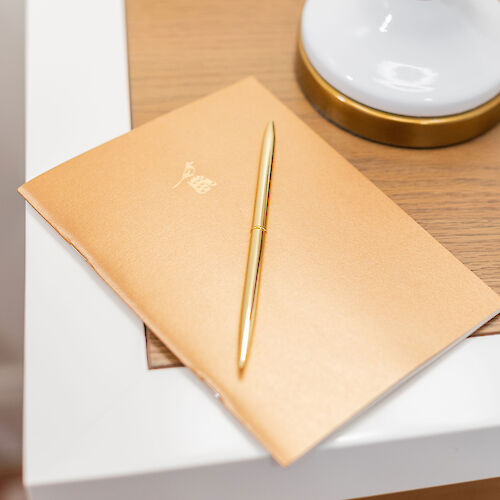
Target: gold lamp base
{"x":389,"y":128}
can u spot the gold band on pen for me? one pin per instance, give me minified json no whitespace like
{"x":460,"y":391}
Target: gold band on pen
{"x":262,"y":228}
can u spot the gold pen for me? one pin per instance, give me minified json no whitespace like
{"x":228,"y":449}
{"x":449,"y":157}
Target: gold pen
{"x":257,"y":233}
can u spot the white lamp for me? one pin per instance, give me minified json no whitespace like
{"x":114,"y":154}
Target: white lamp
{"x":419,"y":73}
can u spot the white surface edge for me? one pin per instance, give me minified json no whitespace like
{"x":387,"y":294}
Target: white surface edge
{"x":94,"y":423}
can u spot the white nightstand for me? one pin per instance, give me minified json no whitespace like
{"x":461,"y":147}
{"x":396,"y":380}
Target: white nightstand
{"x":95,"y":426}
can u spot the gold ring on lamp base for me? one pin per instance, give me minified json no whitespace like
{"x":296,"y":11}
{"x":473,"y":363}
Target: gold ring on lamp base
{"x":388,"y":128}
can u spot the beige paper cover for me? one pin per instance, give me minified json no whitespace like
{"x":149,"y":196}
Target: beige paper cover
{"x":354,"y":294}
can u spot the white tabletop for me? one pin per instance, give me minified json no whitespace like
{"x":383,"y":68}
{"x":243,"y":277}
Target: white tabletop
{"x":99,"y":424}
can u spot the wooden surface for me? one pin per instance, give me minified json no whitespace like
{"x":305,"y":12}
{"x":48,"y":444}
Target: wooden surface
{"x":180,"y":50}
{"x":488,"y":489}
{"x":158,"y":355}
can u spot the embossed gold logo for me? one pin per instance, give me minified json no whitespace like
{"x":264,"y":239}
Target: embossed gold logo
{"x":199,"y":183}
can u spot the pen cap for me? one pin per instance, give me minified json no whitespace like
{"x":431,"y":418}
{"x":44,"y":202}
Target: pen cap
{"x":264,"y":179}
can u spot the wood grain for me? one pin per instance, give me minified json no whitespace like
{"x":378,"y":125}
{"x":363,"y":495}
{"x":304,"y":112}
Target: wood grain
{"x":487,"y":489}
{"x":158,"y":355}
{"x":180,"y":50}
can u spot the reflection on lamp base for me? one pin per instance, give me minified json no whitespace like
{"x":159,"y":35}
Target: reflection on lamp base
{"x":388,"y":128}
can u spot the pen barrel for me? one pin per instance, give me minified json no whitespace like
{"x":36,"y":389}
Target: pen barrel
{"x":254,"y":261}
{"x":264,"y":179}
{"x":251,"y":289}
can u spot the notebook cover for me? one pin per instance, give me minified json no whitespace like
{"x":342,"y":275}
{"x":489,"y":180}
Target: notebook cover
{"x":354,"y":297}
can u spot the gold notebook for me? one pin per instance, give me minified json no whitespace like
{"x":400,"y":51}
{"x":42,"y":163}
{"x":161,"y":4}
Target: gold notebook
{"x":354,"y":296}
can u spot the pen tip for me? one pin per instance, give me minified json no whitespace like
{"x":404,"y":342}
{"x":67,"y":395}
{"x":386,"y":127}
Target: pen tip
{"x":241,"y":364}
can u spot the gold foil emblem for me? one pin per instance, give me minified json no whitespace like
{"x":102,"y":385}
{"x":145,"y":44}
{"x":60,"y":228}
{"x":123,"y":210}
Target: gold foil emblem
{"x":199,"y":183}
